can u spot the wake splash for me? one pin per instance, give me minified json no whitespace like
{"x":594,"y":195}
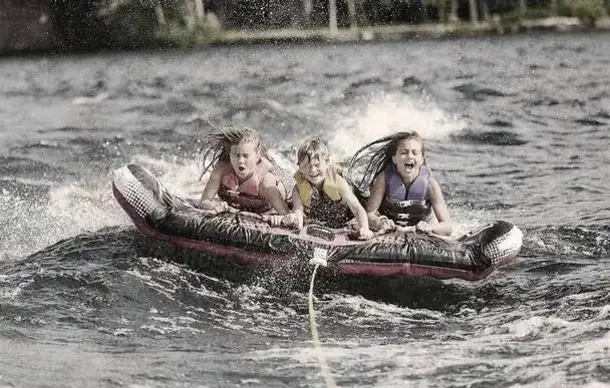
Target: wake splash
{"x":390,"y":113}
{"x":31,"y":223}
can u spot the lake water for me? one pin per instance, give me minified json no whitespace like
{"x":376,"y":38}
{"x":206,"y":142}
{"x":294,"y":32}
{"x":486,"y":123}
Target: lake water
{"x":517,"y":128}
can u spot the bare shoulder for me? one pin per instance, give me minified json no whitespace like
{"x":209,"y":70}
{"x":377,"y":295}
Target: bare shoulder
{"x":342,"y":183}
{"x":266,"y":163}
{"x":269,"y":179}
{"x":223,"y":166}
{"x":220,"y":169}
{"x":434,"y":188}
{"x":379,"y":179}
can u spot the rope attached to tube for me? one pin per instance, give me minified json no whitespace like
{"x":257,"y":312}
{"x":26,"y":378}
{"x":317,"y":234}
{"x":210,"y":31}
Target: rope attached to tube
{"x":318,"y":260}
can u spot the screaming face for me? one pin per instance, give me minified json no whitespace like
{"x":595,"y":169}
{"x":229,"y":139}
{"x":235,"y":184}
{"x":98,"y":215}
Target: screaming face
{"x":409,"y":158}
{"x":244,"y":158}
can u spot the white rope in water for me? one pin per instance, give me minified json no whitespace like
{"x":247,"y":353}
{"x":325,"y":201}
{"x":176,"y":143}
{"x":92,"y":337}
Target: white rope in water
{"x":328,"y":377}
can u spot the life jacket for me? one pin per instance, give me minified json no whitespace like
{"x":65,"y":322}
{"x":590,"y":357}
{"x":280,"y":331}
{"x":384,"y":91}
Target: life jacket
{"x":244,"y":195}
{"x":406,"y":205}
{"x":326,"y":207}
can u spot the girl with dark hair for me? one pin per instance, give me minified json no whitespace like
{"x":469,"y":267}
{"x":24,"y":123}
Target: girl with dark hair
{"x":402,"y":188}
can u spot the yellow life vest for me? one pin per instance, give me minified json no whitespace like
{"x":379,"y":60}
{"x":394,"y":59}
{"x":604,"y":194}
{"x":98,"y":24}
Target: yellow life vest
{"x":330,"y":187}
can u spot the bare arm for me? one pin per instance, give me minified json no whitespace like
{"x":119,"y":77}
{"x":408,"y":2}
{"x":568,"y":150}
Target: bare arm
{"x":296,"y":217}
{"x":270,"y":191}
{"x":375,"y":199}
{"x":444,"y":226}
{"x":211,"y":188}
{"x":297,"y":204}
{"x":349,"y":198}
{"x":377,"y":193}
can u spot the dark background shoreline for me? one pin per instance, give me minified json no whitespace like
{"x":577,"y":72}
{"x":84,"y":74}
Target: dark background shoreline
{"x":47,"y":27}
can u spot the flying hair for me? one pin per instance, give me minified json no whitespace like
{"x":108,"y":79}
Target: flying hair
{"x":375,"y":156}
{"x":217,"y":146}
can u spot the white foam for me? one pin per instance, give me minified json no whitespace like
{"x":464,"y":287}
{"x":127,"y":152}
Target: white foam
{"x":389,"y":113}
{"x":72,"y":208}
{"x":84,"y":100}
{"x":535,"y":326}
{"x":286,"y":164}
{"x":179,"y":176}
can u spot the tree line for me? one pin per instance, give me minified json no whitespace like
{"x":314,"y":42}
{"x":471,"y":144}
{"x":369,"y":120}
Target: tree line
{"x":87,"y":23}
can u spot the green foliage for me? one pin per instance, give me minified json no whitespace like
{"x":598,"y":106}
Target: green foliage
{"x":537,"y":13}
{"x":588,"y":9}
{"x":564,"y":9}
{"x":131,"y":25}
{"x":583,"y":9}
{"x":135,"y":24}
{"x":180,"y":35}
{"x":529,"y":13}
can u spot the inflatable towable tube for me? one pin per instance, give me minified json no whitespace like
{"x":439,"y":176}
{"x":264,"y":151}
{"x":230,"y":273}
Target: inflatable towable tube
{"x":247,"y":238}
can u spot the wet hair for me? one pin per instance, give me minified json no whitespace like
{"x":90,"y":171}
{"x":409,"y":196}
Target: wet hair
{"x":375,"y":156}
{"x":217,"y":146}
{"x":311,"y":149}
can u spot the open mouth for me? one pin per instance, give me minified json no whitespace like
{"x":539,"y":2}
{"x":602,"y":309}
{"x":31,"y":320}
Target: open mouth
{"x":410,"y":165}
{"x":241,"y":169}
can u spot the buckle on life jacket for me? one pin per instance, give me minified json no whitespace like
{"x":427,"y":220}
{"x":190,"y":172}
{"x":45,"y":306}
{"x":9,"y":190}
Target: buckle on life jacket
{"x":408,"y":203}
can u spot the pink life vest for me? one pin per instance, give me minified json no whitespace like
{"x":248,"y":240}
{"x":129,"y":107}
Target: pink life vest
{"x":244,"y":195}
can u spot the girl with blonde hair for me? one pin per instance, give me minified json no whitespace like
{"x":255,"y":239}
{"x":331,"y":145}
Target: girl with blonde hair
{"x":322,"y":193}
{"x":244,"y":175}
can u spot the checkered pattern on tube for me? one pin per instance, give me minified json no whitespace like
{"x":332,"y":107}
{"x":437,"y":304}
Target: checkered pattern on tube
{"x":134,"y":192}
{"x":504,"y":247}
